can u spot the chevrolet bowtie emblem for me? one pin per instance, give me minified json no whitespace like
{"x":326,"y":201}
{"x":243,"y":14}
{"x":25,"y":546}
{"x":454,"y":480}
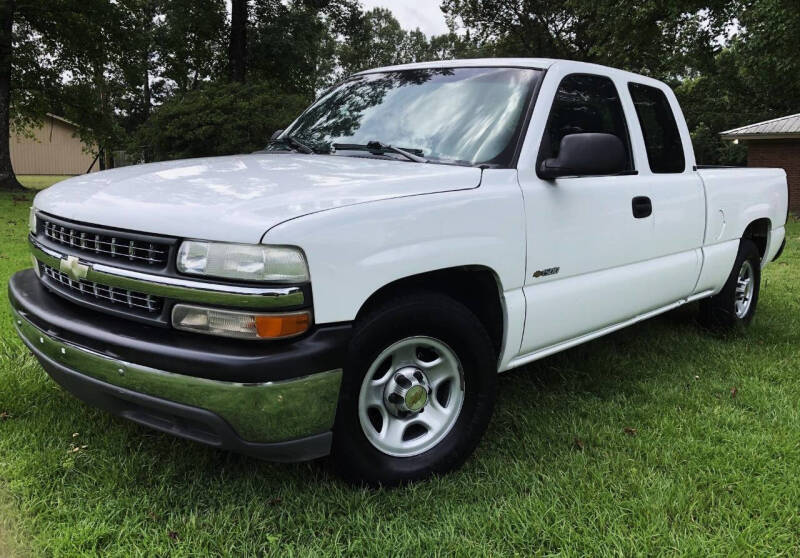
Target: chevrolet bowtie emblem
{"x":74,"y":269}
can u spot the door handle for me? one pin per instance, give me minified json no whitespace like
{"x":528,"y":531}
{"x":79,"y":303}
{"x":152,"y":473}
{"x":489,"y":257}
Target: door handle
{"x":642,"y":207}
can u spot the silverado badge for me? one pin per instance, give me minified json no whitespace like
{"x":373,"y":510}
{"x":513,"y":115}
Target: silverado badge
{"x":546,"y":272}
{"x":74,"y":269}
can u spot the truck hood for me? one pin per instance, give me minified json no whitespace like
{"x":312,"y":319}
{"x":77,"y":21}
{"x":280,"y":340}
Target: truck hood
{"x":239,"y":198}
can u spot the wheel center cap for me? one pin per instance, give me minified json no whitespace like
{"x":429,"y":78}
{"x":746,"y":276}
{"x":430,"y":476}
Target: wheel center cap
{"x":407,"y":392}
{"x":416,"y":398}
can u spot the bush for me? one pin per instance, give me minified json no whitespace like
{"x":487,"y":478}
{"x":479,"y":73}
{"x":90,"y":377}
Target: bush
{"x":217,"y":119}
{"x":710,"y":149}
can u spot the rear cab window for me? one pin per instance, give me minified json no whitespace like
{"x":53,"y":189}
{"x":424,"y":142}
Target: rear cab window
{"x":662,"y":138}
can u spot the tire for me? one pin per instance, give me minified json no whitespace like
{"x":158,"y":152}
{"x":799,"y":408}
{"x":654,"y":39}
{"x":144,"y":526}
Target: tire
{"x":376,"y":399}
{"x":735,"y":305}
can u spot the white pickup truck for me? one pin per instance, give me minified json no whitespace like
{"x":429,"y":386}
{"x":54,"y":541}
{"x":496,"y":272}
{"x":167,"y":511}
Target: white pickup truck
{"x":354,"y":289}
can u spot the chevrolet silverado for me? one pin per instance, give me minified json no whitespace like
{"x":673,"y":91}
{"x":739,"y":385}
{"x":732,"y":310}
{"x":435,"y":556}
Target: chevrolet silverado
{"x":354,"y":288}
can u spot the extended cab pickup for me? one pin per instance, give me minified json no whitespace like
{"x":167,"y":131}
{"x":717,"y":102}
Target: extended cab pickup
{"x":355,"y":288}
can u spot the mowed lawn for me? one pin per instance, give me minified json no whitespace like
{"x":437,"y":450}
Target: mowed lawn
{"x":660,"y":439}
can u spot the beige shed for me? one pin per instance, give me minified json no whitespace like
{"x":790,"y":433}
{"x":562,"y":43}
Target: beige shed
{"x":55,"y":149}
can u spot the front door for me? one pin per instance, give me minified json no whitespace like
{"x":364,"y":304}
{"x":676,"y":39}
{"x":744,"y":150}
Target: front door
{"x":590,"y":258}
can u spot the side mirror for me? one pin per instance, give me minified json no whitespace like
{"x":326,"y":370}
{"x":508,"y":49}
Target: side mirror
{"x":275,"y":134}
{"x":586,"y":154}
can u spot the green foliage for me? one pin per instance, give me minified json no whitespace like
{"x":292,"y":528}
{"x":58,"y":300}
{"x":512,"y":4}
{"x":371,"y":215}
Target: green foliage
{"x":295,"y":49}
{"x":293,"y":43}
{"x":217,"y":119}
{"x":710,"y":150}
{"x":755,"y":77}
{"x":33,"y":79}
{"x":375,"y":38}
{"x":732,"y":62}
{"x":188,"y":44}
{"x":768,"y":55}
{"x":659,"y":38}
{"x":107,"y":52}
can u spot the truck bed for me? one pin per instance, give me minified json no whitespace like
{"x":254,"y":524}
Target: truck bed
{"x":736,"y":197}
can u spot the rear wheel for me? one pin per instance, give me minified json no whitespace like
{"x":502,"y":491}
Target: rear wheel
{"x":735,"y":305}
{"x":418,"y":391}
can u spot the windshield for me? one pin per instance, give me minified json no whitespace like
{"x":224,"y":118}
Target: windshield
{"x":447,"y":115}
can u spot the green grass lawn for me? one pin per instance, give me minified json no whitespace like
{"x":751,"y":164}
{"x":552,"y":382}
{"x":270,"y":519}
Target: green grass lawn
{"x":660,"y":439}
{"x":40,"y":181}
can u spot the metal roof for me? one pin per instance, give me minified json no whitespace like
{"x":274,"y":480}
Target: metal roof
{"x":61,"y":119}
{"x":777,"y":128}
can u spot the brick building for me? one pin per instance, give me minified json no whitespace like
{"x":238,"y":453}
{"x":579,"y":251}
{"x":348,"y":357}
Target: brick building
{"x":774,"y":143}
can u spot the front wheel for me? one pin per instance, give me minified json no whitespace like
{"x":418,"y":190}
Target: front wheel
{"x":418,"y":391}
{"x":735,"y":305}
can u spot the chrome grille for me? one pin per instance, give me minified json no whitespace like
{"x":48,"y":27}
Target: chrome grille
{"x":104,"y":294}
{"x":120,"y":247}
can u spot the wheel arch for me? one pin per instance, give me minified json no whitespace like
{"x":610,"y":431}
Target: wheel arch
{"x":475,"y":286}
{"x":759,"y":231}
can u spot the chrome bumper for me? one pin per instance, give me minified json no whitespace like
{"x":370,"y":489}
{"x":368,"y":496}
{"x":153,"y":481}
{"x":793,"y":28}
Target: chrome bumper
{"x":258,"y":412}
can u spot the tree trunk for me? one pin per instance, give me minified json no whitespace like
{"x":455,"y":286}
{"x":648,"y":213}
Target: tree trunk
{"x":106,"y":113}
{"x":237,"y":48}
{"x":149,"y":14}
{"x":146,"y":93}
{"x":8,"y":180}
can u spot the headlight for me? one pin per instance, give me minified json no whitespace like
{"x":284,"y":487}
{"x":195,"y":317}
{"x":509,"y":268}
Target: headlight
{"x":246,"y":262}
{"x":32,"y":221}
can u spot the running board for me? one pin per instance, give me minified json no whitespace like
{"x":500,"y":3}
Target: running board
{"x":564,"y":345}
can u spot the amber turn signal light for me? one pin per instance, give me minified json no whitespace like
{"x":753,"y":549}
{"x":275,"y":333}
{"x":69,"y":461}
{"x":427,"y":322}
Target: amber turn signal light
{"x":282,"y":325}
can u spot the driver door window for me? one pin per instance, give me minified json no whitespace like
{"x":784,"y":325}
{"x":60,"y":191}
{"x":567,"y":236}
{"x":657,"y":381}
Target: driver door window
{"x":584,"y":103}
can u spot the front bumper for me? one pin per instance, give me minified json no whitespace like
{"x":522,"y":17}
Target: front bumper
{"x":283,"y":419}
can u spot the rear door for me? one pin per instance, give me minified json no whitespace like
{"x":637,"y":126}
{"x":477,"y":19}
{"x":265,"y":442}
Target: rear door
{"x":678,"y":195}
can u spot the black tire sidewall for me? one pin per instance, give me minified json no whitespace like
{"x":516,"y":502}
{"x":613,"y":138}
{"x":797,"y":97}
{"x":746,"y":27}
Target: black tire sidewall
{"x":438,"y":317}
{"x":720,"y":310}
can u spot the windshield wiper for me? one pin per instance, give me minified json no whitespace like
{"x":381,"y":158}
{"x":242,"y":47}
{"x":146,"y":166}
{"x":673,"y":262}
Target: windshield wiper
{"x":294,"y":144}
{"x":379,"y":148}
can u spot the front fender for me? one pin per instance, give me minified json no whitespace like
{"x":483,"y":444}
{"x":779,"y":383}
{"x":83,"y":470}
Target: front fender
{"x":354,"y":251}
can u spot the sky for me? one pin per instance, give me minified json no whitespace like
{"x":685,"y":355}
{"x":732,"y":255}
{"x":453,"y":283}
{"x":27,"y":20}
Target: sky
{"x":411,"y":14}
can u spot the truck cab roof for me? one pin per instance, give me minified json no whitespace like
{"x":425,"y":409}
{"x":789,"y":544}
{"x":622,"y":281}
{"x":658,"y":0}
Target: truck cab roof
{"x":533,"y":63}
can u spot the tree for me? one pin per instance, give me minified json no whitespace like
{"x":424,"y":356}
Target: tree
{"x":72,"y":57}
{"x":663,"y":38}
{"x":452,"y":45}
{"x":375,"y":38}
{"x":8,"y":181}
{"x":294,"y":44}
{"x":754,"y":77}
{"x":378,"y":42}
{"x":218,"y":119}
{"x":35,"y":35}
{"x":731,"y":62}
{"x":110,"y":65}
{"x":237,"y":48}
{"x":100,"y":46}
{"x":766,"y":52}
{"x":191,"y":38}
